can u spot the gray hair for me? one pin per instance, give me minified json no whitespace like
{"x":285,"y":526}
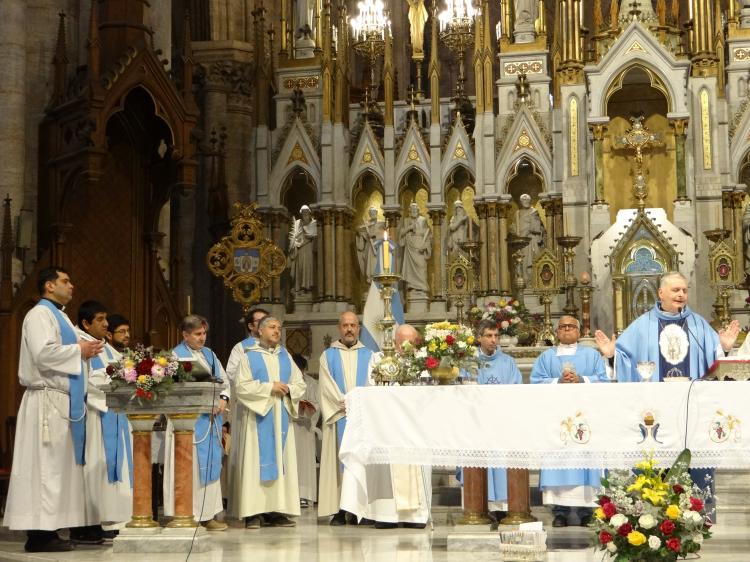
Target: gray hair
{"x":669,"y":276}
{"x":267,"y":320}
{"x":578,"y":322}
{"x":485,"y":325}
{"x":193,"y":322}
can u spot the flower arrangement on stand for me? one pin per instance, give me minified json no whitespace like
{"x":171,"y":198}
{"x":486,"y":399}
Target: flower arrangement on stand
{"x":152,"y":373}
{"x":445,"y":350}
{"x":649,"y":514}
{"x":509,"y":315}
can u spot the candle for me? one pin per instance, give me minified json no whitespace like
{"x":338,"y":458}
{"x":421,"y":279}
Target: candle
{"x":386,"y":253}
{"x":189,"y":307}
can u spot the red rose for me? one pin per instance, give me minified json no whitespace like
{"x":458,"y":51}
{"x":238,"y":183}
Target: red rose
{"x":673,"y":544}
{"x":110,"y":370}
{"x":431,"y":363}
{"x":140,"y":393}
{"x":678,"y":489}
{"x":144,"y":367}
{"x":609,"y":509}
{"x":187,"y":366}
{"x":605,"y":537}
{"x":149,"y":395}
{"x":625,"y":529}
{"x":604,"y":499}
{"x":666,"y":527}
{"x":696,"y":504}
{"x":450,"y":340}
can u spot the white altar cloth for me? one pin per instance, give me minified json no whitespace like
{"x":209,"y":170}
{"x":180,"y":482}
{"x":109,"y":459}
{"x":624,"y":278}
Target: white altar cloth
{"x":547,"y":426}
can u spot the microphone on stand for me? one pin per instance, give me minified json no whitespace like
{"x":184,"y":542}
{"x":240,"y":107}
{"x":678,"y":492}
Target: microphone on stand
{"x":695,"y":339}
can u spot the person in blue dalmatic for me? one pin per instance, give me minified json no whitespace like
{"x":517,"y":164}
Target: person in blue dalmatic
{"x":569,"y":363}
{"x":678,"y":341}
{"x":495,"y":367}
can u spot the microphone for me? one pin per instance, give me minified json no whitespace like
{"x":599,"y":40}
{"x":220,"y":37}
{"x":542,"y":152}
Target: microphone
{"x":695,"y":339}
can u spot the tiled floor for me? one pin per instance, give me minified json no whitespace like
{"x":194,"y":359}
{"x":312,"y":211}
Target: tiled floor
{"x":310,"y":542}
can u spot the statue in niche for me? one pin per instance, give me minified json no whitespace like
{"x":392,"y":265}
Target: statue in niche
{"x":529,"y":223}
{"x":746,"y":237}
{"x":301,"y":259}
{"x":523,"y":22}
{"x":417,"y":18}
{"x":457,"y":227}
{"x":368,"y":234}
{"x":415,"y":237}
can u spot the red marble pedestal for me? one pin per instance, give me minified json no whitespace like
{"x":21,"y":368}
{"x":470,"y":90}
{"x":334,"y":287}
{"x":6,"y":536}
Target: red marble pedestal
{"x":183,"y":470}
{"x":475,"y":497}
{"x":142,"y":426}
{"x":519,"y":504}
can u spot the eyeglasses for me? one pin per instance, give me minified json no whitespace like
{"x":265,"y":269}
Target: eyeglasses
{"x":122,"y":331}
{"x":567,"y":327}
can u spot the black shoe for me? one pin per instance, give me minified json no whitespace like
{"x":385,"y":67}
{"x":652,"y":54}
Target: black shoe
{"x":351,"y":519}
{"x":110,"y":535}
{"x":339,"y":520}
{"x":414,"y":525}
{"x":560,"y":521}
{"x":92,"y":534}
{"x":52,"y":544}
{"x":366,"y":522}
{"x":384,"y":525}
{"x":499,"y":515}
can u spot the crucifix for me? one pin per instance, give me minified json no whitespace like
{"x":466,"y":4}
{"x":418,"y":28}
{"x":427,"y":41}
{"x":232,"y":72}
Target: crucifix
{"x":638,"y":138}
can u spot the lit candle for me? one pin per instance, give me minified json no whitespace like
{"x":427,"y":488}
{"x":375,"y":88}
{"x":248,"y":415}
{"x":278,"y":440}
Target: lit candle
{"x":386,"y":253}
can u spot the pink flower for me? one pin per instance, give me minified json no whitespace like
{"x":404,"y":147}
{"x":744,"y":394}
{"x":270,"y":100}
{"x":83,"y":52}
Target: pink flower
{"x":130,"y":375}
{"x":157,"y":371}
{"x":504,"y":324}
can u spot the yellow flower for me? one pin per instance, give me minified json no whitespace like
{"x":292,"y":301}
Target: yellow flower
{"x":443,"y":345}
{"x":129,"y":364}
{"x":470,"y":340}
{"x":454,"y":371}
{"x":673,"y":512}
{"x":432,"y":346}
{"x":141,"y":379}
{"x":636,"y":538}
{"x":599,"y":513}
{"x":162,"y":361}
{"x":502,"y":303}
{"x":638,"y":484}
{"x":656,"y":497}
{"x":648,"y":464}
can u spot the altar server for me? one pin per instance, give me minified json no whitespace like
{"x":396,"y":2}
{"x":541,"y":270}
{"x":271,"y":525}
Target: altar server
{"x":269,"y":387}
{"x":343,"y":366}
{"x":207,"y":451}
{"x":569,"y":363}
{"x":306,"y":438}
{"x":109,"y":456}
{"x":46,"y":490}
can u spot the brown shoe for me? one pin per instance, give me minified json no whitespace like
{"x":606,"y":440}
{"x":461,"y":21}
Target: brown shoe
{"x":252,"y":522}
{"x":214,"y":525}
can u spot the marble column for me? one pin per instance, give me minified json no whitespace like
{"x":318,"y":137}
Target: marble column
{"x":142,"y":425}
{"x":481,"y":209}
{"x":437,"y":215}
{"x":475,"y":497}
{"x":598,"y":130}
{"x":319,"y":256}
{"x":617,"y":288}
{"x":503,"y":210}
{"x":329,"y":280}
{"x":340,"y":255}
{"x":680,"y":134}
{"x":493,"y":274}
{"x":738,"y":201}
{"x":183,"y":470}
{"x":519,"y":504}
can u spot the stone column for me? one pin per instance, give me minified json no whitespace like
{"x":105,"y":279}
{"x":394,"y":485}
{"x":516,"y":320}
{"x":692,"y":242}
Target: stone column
{"x":503,"y":210}
{"x":475,"y":497}
{"x":598,"y":130}
{"x":183,"y":470}
{"x":340,"y":255}
{"x":519,"y":504}
{"x":319,"y":256}
{"x":329,"y":279}
{"x":493,"y":273}
{"x":348,"y":255}
{"x":738,"y":201}
{"x":437,"y":214}
{"x":617,"y":289}
{"x":481,"y":209}
{"x":142,"y":512}
{"x":680,"y":134}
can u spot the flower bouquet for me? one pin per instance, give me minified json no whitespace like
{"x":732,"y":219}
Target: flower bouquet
{"x":446,"y":350}
{"x":507,"y":314}
{"x":649,"y":514}
{"x":151,"y":372}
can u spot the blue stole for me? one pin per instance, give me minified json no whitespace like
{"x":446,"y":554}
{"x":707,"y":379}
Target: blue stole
{"x":498,"y":368}
{"x":115,"y":434}
{"x":76,"y":390}
{"x":336,"y":368}
{"x":640,"y":342}
{"x":207,"y":427}
{"x":269,"y":469}
{"x":249,"y":341}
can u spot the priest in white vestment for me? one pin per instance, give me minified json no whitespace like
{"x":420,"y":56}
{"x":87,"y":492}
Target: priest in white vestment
{"x":269,"y":387}
{"x":236,"y":357}
{"x":569,"y":363}
{"x":306,"y":437}
{"x":343,"y":366}
{"x":207,"y":449}
{"x":46,"y":490}
{"x":109,"y":453}
{"x":390,"y":495}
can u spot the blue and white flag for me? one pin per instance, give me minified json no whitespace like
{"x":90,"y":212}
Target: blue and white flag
{"x":371,"y":334}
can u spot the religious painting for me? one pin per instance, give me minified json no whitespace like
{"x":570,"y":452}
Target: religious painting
{"x":246,"y":260}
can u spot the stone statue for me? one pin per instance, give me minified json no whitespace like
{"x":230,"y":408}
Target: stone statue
{"x":523,"y":22}
{"x":368,"y":234}
{"x":417,"y":18}
{"x":415,"y":237}
{"x":301,"y":259}
{"x":457,"y":227}
{"x":529,"y":223}
{"x":746,"y":238}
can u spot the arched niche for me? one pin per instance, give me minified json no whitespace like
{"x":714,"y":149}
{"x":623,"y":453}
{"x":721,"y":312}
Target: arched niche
{"x":525,"y":176}
{"x":368,"y":192}
{"x":414,"y":187}
{"x":298,"y":189}
{"x":460,"y":185}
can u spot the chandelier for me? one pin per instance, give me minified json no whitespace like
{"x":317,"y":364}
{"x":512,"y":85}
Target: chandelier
{"x":368,"y":28}
{"x":456,"y":33}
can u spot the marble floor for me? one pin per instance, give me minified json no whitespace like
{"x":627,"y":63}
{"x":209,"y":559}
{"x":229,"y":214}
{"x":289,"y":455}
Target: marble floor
{"x":310,"y":542}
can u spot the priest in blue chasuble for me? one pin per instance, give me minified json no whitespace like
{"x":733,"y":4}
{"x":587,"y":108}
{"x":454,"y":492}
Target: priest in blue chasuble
{"x":569,"y":363}
{"x":681,"y":344}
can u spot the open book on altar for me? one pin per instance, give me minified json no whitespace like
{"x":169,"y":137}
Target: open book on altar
{"x":735,"y":368}
{"x":198,"y":372}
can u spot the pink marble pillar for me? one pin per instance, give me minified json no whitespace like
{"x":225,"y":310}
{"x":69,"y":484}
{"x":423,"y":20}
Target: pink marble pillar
{"x":142,"y":426}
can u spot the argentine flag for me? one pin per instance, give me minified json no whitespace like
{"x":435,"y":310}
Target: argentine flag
{"x":371,"y":334}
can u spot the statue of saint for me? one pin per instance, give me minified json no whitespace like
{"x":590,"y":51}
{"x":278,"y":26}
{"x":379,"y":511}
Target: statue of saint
{"x":417,"y":18}
{"x":529,"y":223}
{"x":368,"y":234}
{"x":457,"y":227}
{"x":301,"y":247}
{"x":415,"y":236}
{"x":523,"y":22}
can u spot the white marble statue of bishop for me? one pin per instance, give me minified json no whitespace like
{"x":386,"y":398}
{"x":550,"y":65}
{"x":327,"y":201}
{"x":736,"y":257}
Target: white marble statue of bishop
{"x":269,"y":387}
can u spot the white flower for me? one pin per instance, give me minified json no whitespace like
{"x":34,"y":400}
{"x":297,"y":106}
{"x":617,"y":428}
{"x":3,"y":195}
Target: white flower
{"x":421,"y":353}
{"x":647,"y":521}
{"x":692,"y":517}
{"x":618,"y":519}
{"x":504,"y":324}
{"x":611,"y":547}
{"x":654,"y":542}
{"x":697,"y":538}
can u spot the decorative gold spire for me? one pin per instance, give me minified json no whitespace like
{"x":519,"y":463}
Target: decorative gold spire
{"x":341,"y":97}
{"x":572,"y":45}
{"x":489,"y":83}
{"x":542,"y":18}
{"x":703,"y":54}
{"x":434,"y":66}
{"x":598,"y":18}
{"x":261,"y":72}
{"x":388,"y":74}
{"x":326,"y":69}
{"x":478,"y":60}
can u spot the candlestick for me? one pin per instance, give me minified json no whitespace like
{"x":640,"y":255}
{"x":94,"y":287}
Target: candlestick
{"x":386,"y":253}
{"x":189,"y":305}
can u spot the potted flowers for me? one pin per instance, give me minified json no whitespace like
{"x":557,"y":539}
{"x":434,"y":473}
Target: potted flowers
{"x":508,"y":315}
{"x":151,"y":373}
{"x":649,"y":514}
{"x":446,"y":350}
